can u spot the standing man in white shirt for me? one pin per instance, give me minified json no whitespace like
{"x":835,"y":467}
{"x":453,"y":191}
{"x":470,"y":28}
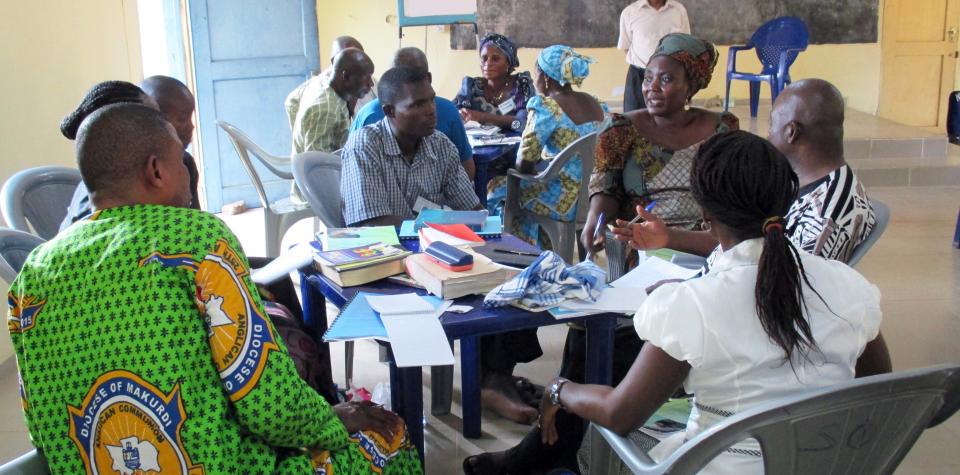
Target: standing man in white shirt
{"x":642,"y":24}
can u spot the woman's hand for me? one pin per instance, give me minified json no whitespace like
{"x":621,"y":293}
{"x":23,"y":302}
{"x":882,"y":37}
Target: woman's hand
{"x":651,"y":233}
{"x":590,"y":243}
{"x":548,"y":418}
{"x":477,"y":116}
{"x":365,"y":415}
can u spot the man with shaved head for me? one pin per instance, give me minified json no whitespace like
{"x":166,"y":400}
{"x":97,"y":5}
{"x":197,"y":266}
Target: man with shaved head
{"x":448,"y":118}
{"x":832,"y":213}
{"x":321,"y":108}
{"x":339,"y":44}
{"x":142,"y":343}
{"x":177,"y":105}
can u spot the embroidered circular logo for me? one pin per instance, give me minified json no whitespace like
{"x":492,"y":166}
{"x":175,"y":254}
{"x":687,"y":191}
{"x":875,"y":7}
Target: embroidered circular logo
{"x":241,"y":337}
{"x":23,"y":312}
{"x":128,"y":426}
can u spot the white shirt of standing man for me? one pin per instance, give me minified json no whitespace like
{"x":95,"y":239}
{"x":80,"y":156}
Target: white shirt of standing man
{"x":642,"y":25}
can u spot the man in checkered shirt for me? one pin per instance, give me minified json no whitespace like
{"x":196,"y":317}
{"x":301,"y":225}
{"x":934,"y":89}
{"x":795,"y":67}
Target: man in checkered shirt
{"x":389,"y":164}
{"x":320,"y":109}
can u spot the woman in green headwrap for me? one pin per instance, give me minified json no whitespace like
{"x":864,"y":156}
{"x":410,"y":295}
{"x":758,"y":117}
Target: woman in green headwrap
{"x":556,"y":117}
{"x":645,"y":155}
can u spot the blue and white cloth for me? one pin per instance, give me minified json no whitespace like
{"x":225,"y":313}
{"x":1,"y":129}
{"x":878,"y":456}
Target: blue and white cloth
{"x":547,"y":282}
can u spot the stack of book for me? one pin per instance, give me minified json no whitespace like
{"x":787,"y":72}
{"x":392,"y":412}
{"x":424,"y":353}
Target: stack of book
{"x":447,"y":284}
{"x":359,"y":265}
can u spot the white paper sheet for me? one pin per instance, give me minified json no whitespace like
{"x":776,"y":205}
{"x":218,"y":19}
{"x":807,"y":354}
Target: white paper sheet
{"x":650,"y":271}
{"x":417,"y":340}
{"x":612,"y":299}
{"x":400,"y":304}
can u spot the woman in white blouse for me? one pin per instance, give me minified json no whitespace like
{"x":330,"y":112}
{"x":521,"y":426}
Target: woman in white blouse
{"x":766,"y":322}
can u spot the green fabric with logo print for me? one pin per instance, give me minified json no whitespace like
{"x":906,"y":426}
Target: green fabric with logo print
{"x":143,"y":347}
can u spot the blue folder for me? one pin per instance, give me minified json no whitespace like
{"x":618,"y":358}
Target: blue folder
{"x":357,"y":320}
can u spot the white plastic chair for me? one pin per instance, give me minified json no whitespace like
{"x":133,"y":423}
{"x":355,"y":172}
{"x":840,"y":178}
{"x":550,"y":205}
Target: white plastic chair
{"x":279,"y":215}
{"x":15,"y":246}
{"x":882,"y":213}
{"x":30,"y":463}
{"x":563,"y":235}
{"x":35,"y":200}
{"x":317,"y":175}
{"x":864,"y":426}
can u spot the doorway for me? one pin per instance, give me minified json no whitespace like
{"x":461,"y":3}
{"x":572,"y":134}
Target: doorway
{"x":919,"y":44}
{"x":241,"y":58}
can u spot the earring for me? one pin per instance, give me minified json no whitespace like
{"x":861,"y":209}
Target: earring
{"x":705,"y":225}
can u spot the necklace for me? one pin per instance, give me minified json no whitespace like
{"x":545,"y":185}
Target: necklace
{"x":503,"y":90}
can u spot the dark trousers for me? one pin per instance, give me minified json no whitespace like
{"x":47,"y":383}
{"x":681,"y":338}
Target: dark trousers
{"x":633,"y":90}
{"x":501,"y":352}
{"x":531,"y":454}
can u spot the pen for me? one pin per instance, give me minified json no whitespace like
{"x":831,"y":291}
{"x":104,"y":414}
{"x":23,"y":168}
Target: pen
{"x":647,"y":208}
{"x":519,"y":253}
{"x":596,"y":232}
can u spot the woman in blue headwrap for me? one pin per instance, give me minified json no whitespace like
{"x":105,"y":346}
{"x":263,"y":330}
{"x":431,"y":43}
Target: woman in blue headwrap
{"x":499,"y":97}
{"x":556,"y":117}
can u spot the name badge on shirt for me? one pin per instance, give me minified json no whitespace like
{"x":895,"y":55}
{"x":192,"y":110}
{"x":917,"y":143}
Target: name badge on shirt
{"x":506,"y":107}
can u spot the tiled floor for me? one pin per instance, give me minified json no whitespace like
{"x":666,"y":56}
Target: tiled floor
{"x":913,"y":264}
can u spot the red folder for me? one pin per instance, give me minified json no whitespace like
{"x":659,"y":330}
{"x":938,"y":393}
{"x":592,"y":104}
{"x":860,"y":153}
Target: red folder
{"x":461,"y":231}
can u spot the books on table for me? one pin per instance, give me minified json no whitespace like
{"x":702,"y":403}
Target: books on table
{"x":345,"y":238}
{"x":447,"y":284}
{"x":359,"y":265}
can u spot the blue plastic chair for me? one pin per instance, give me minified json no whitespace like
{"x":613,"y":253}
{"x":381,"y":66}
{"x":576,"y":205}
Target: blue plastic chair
{"x":778,"y":42}
{"x":956,"y":234}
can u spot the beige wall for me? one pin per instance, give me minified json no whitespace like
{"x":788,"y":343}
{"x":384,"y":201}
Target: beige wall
{"x":53,"y":51}
{"x":854,"y":68}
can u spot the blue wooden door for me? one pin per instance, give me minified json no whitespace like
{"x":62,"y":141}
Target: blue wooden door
{"x":248,"y":55}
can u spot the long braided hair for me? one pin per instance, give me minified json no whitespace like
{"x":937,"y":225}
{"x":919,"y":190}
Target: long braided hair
{"x":744,"y":182}
{"x":101,"y":94}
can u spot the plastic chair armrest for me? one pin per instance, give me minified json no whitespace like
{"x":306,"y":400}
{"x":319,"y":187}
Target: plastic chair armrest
{"x":732,"y":56}
{"x":523,"y":176}
{"x":272,"y":163}
{"x":632,"y":456}
{"x":782,"y":66}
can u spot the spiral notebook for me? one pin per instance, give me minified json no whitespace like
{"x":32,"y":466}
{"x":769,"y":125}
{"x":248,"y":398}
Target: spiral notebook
{"x":357,"y":320}
{"x":492,"y":228}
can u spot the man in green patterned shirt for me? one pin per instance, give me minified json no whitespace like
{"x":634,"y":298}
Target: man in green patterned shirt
{"x":143,"y":346}
{"x":320,"y":109}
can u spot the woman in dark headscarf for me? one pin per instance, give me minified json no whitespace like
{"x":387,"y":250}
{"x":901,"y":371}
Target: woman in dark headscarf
{"x":499,"y":97}
{"x":645,"y":155}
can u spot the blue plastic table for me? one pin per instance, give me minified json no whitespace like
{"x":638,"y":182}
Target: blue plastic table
{"x":483,"y":155}
{"x":406,"y":384}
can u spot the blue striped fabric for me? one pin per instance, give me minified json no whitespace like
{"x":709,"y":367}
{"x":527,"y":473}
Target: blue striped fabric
{"x":549,"y":281}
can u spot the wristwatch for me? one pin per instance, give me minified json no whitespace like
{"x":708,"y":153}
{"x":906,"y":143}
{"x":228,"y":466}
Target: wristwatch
{"x":555,"y":391}
{"x":515,"y":125}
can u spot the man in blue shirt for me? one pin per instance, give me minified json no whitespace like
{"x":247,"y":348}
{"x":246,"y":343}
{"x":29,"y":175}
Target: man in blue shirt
{"x":448,"y":118}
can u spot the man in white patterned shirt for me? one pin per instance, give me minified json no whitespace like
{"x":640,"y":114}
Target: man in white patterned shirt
{"x":388,"y":165}
{"x":832,"y":213}
{"x":320,"y":109}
